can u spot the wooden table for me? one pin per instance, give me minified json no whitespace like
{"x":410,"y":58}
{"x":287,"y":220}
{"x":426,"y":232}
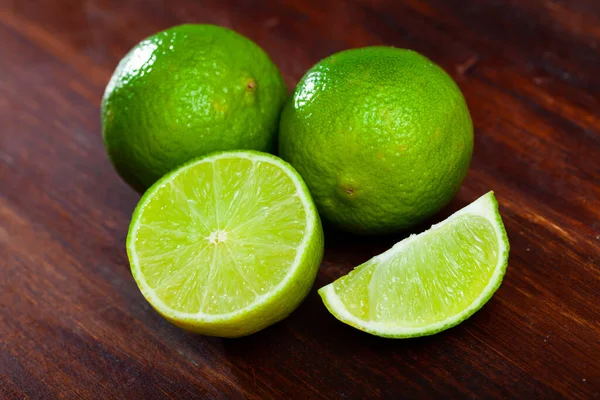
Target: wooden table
{"x":73,"y":323}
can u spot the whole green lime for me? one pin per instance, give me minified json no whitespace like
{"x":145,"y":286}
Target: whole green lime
{"x":185,"y":92}
{"x":382,"y":136}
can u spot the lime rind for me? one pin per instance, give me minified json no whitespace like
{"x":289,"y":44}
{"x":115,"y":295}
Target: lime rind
{"x":266,"y":309}
{"x":486,"y":207}
{"x":226,"y":94}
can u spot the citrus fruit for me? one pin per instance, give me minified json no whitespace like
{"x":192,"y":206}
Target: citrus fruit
{"x":382,"y":137}
{"x":185,"y":92}
{"x":227,"y":244}
{"x":428,"y":282}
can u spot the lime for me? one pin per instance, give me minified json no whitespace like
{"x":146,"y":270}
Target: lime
{"x":382,"y":137}
{"x":185,"y":92}
{"x":226,"y":244}
{"x":428,"y":282}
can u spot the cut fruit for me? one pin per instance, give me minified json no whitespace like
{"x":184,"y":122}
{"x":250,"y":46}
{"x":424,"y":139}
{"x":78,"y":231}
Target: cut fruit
{"x":428,"y":282}
{"x":227,"y":244}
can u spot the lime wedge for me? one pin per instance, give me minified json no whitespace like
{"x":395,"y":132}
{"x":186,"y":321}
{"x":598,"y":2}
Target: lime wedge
{"x":428,"y":282}
{"x":227,"y":244}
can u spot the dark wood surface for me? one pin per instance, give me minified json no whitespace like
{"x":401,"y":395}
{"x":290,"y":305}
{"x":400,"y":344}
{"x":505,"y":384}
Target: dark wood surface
{"x":73,"y":323}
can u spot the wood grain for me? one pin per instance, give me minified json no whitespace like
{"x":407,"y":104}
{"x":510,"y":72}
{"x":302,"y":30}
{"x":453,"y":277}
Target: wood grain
{"x":73,"y":323}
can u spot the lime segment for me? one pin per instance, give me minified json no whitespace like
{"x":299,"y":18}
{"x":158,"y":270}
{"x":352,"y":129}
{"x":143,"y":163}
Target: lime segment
{"x":428,"y":282}
{"x":226,"y":244}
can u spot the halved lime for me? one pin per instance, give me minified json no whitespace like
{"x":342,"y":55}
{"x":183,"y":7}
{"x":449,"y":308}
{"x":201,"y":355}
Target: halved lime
{"x":226,"y":244}
{"x":428,"y":282}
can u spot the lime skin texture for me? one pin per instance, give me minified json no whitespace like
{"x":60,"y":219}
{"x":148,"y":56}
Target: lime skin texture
{"x":382,"y":137}
{"x":185,"y":92}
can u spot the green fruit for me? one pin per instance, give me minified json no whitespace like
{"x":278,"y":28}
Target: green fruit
{"x":185,"y":92}
{"x":227,"y":244}
{"x":429,"y":282}
{"x":382,"y":137}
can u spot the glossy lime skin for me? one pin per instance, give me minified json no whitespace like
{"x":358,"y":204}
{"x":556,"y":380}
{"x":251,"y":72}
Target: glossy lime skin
{"x":382,"y":137}
{"x":185,"y":92}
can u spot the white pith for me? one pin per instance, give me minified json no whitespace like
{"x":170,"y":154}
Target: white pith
{"x":164,"y":309}
{"x":484,"y":207}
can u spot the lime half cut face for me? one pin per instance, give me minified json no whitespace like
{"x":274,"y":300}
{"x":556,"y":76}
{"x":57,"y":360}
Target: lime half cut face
{"x":428,"y":282}
{"x":226,"y":244}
